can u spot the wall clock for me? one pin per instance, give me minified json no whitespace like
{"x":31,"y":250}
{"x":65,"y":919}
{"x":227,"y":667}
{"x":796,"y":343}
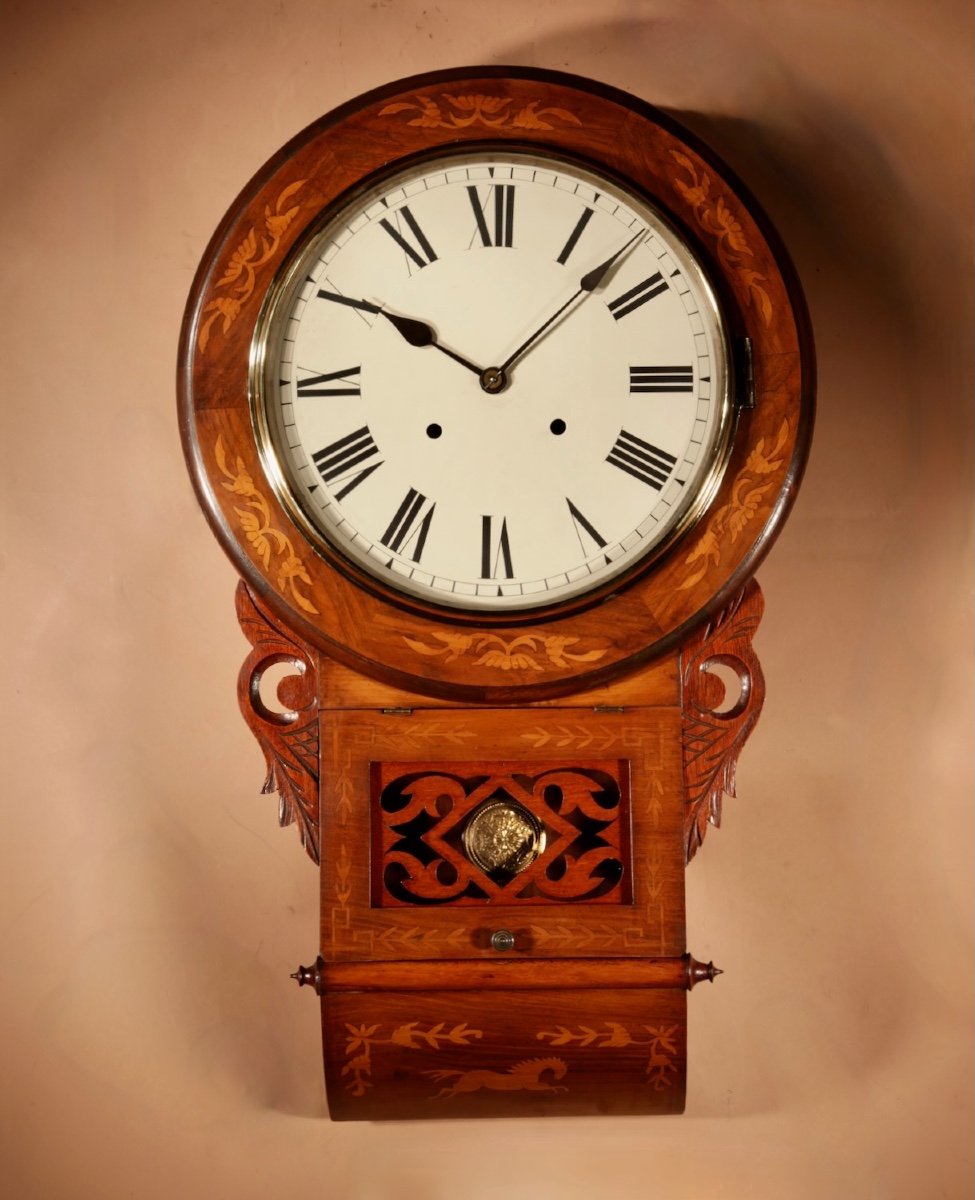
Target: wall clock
{"x":496,"y":387}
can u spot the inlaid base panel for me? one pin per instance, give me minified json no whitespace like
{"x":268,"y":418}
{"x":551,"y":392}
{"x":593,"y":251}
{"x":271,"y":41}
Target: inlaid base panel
{"x":412,"y":1055}
{"x":445,"y":827}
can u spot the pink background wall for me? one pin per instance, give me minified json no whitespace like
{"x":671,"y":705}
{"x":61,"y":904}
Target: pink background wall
{"x":153,"y":1045}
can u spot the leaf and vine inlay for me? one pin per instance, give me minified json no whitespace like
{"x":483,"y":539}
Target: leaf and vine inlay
{"x":255,"y":520}
{"x":526,"y":652}
{"x":492,"y":112}
{"x":661,"y":1045}
{"x":362,"y":1038}
{"x":747,"y":494}
{"x":715,"y":218}
{"x":240,"y":273}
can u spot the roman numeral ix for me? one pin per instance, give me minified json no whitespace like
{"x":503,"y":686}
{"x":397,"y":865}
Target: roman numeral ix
{"x":638,"y":458}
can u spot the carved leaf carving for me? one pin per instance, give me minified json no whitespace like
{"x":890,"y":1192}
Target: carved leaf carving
{"x":289,"y":740}
{"x":712,"y":738}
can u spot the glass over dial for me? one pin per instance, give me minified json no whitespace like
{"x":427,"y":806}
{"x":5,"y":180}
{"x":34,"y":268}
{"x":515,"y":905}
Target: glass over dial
{"x":494,"y":381}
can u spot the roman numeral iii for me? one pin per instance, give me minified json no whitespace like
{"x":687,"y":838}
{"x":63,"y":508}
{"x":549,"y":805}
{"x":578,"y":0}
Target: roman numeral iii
{"x":498,"y":209}
{"x":661,"y":379}
{"x":337,"y":462}
{"x":638,"y":458}
{"x":631,"y":300}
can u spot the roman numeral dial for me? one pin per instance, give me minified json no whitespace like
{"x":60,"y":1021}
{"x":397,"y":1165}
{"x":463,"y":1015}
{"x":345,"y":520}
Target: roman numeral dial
{"x":493,"y":381}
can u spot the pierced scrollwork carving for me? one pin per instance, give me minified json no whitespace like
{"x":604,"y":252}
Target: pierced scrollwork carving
{"x":289,"y":738}
{"x":715,"y":726}
{"x":480,"y":834}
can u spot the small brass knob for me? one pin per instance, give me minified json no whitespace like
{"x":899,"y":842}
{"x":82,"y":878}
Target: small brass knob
{"x":503,"y":939}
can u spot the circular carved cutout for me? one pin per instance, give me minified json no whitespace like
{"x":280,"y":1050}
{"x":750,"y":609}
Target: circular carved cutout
{"x":725,"y":686}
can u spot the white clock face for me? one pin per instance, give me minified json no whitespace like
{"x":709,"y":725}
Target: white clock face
{"x":494,"y":381}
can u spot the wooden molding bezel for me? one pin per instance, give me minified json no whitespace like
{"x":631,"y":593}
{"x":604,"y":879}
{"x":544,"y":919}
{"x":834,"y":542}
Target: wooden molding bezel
{"x":525,"y":656}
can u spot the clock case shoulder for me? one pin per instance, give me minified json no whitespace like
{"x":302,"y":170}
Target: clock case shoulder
{"x":470,"y":657}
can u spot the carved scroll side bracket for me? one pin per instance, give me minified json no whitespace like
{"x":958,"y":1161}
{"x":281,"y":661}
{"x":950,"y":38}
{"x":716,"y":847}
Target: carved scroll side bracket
{"x":288,"y":737}
{"x":716,"y":722}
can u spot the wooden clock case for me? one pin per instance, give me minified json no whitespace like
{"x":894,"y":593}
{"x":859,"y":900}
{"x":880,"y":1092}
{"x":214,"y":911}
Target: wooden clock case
{"x":448,"y":988}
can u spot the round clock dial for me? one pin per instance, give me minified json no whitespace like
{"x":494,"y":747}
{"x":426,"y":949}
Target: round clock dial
{"x":494,"y":381}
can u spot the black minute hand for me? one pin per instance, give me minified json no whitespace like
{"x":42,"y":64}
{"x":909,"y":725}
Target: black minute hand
{"x":588,"y":283}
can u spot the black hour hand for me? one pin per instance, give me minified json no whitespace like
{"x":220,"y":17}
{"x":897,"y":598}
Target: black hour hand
{"x":419,"y":333}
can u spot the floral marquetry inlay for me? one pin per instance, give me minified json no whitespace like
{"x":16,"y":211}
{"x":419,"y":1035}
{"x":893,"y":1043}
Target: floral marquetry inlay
{"x":240,"y":274}
{"x":412,"y":1036}
{"x":269,"y":544}
{"x":715,"y":218}
{"x":489,"y":112}
{"x":661,"y":1045}
{"x":525,"y":652}
{"x":748,"y":494}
